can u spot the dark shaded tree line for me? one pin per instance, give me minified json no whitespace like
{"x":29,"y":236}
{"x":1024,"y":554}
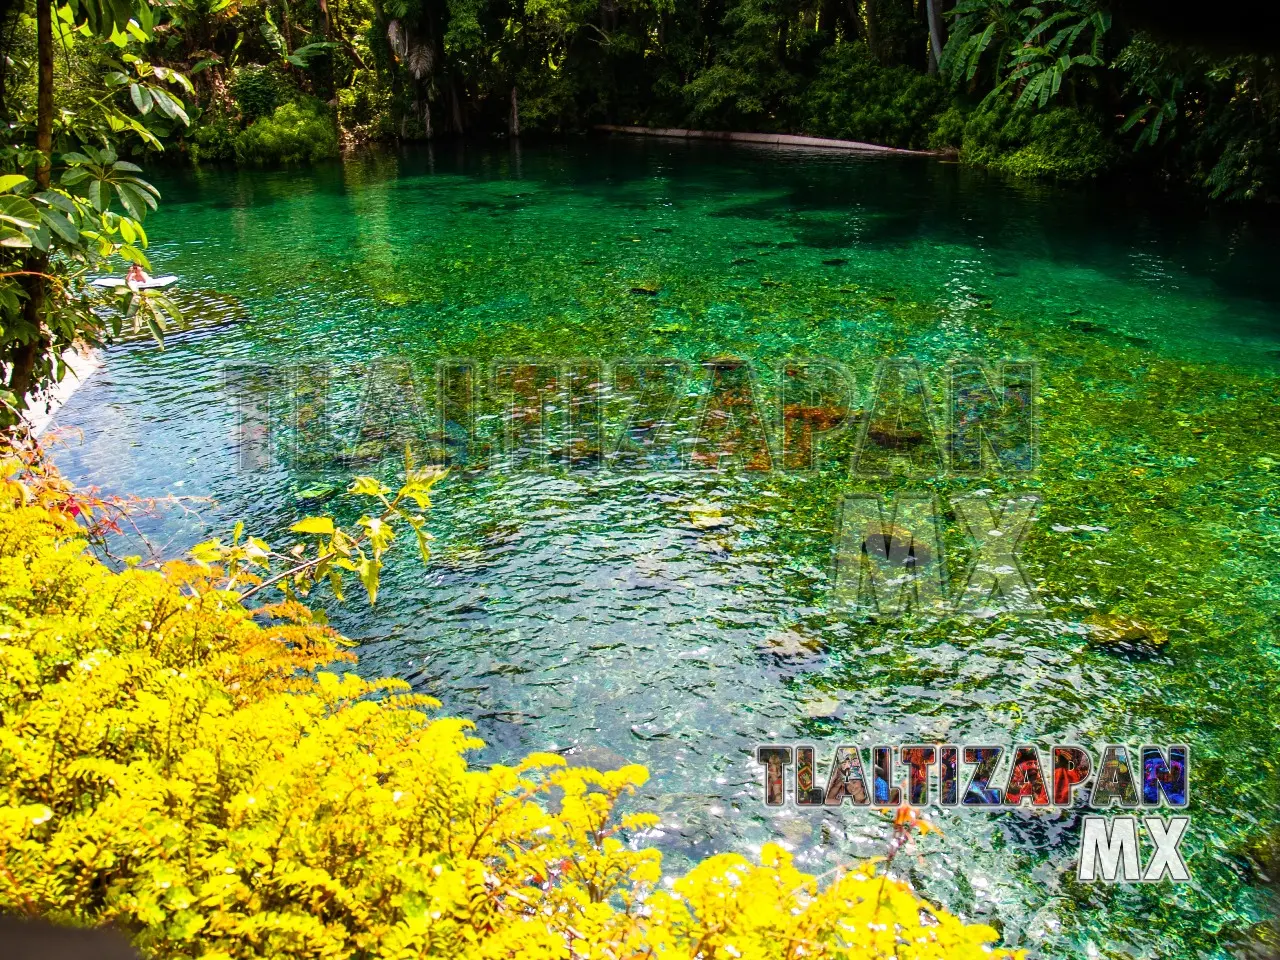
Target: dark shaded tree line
{"x":1059,"y":88}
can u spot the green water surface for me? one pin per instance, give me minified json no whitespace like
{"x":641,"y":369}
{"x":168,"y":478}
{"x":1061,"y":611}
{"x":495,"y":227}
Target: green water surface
{"x":677,"y":617}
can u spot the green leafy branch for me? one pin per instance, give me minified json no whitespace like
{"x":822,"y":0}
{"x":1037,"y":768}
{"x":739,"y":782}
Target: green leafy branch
{"x":75,"y":219}
{"x":300,"y":58}
{"x":1042,"y":67}
{"x":980,"y":27}
{"x":1033,"y":49}
{"x":1161,"y":85}
{"x":251,"y":565}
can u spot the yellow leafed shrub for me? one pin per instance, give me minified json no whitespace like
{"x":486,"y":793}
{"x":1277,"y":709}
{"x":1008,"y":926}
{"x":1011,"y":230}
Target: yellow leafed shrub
{"x":217,"y":785}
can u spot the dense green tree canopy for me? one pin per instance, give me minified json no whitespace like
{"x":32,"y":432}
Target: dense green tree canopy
{"x":412,"y":69}
{"x":92,"y":89}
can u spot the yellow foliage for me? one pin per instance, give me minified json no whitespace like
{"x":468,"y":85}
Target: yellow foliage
{"x":216,"y":784}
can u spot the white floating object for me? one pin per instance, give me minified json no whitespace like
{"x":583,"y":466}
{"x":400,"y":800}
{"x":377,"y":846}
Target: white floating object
{"x":153,"y":283}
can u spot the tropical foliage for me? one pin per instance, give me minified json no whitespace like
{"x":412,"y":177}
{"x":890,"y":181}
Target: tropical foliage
{"x":413,"y":69}
{"x":69,"y":202}
{"x":217,"y":782}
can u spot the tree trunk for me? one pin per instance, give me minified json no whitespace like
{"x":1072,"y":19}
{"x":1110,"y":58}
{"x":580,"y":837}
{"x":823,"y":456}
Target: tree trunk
{"x":287,"y":27}
{"x":515,"y":113}
{"x":457,"y":107}
{"x":23,"y":362}
{"x":855,"y":20}
{"x":44,"y":92}
{"x":935,"y":36}
{"x":873,"y":30}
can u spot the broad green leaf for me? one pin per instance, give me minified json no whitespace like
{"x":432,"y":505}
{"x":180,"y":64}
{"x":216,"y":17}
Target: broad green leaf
{"x":59,"y":200}
{"x":169,"y":105}
{"x":154,"y":326}
{"x":98,"y":195}
{"x":170,"y":308}
{"x":61,"y":225}
{"x":134,"y":255}
{"x":18,"y":211}
{"x":163,"y":103}
{"x":141,"y":97}
{"x":131,"y":200}
{"x":141,"y":130}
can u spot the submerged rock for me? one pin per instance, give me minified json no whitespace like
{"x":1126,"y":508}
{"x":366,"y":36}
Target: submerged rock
{"x":824,"y":709}
{"x":579,"y":451}
{"x":894,"y":435}
{"x":1083,"y":325}
{"x":791,"y":644}
{"x":366,"y":451}
{"x":706,"y":517}
{"x":596,"y":757}
{"x":1263,"y":942}
{"x":1125,"y":635}
{"x":795,"y":830}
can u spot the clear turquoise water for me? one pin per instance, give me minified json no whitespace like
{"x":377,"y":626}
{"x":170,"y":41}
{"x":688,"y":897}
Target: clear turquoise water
{"x":600,"y":611}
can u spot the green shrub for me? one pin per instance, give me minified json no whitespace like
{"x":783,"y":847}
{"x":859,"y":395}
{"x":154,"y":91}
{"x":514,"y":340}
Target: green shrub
{"x":854,"y":98}
{"x":300,"y":132}
{"x":948,"y":133}
{"x":364,"y":107}
{"x":1061,"y":143}
{"x":212,"y":137}
{"x":259,"y":90}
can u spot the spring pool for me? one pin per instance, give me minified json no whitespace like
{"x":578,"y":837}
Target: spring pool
{"x":677,"y":617}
